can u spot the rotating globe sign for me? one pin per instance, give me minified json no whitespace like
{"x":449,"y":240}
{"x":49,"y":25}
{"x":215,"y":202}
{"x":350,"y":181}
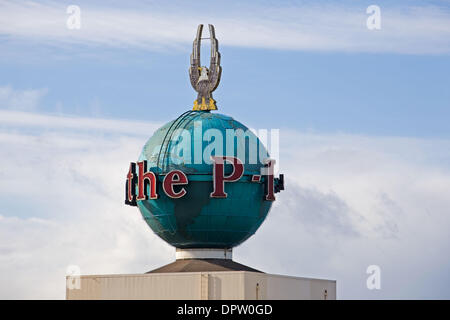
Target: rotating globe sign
{"x":203,"y":180}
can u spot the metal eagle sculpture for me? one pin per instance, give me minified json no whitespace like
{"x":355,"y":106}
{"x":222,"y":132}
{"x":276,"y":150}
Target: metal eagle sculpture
{"x":205,"y":80}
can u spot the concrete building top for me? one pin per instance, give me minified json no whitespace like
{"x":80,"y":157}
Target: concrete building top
{"x":203,"y":265}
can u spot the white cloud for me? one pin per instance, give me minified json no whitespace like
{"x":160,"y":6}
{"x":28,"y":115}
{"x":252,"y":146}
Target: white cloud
{"x":39,"y":121}
{"x":62,"y":204}
{"x":28,"y":100}
{"x":350,"y":201}
{"x":417,"y":30}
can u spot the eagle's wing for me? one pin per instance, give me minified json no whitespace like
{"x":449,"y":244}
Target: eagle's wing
{"x":195,"y":58}
{"x":215,"y":70}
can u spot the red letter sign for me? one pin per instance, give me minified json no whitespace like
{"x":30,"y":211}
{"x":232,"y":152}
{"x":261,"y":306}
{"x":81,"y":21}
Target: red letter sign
{"x":144,"y":179}
{"x":219,"y":178}
{"x":269,"y":184}
{"x":130,"y":189}
{"x":174,"y":177}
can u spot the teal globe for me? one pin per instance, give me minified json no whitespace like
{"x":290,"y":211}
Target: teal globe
{"x":196,"y":220}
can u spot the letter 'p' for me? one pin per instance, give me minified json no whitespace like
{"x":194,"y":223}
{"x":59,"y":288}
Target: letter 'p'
{"x":219,"y":177}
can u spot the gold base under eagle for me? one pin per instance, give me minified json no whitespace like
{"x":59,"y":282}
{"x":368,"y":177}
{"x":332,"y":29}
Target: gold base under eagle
{"x":203,"y":106}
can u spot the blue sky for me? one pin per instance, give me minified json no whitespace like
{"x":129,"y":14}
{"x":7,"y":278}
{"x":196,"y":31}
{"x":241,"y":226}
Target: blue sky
{"x":363,"y":118}
{"x":334,"y":89}
{"x":376,"y":94}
